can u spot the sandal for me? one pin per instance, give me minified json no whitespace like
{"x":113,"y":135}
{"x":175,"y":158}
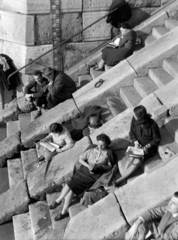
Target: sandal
{"x":61,"y":216}
{"x":54,"y":205}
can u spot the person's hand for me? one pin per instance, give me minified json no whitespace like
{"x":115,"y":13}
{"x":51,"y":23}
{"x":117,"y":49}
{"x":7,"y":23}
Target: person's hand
{"x":58,"y":150}
{"x":137,"y":144}
{"x":28,"y":97}
{"x":145,"y":149}
{"x":131,"y":233}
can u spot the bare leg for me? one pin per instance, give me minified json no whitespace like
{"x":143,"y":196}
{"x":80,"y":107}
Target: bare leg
{"x":68,"y":199}
{"x":64,"y":192}
{"x":100,"y":65}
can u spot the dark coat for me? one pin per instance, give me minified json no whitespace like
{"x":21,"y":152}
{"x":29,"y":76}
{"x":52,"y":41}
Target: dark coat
{"x":62,"y":88}
{"x":35,"y":88}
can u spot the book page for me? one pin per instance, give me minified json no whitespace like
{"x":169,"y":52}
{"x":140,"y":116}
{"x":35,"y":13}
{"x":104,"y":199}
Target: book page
{"x":116,"y":42}
{"x":135,"y":151}
{"x":48,"y":146}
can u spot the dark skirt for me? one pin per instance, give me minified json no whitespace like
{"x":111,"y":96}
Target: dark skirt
{"x":113,"y":56}
{"x":82,"y":180}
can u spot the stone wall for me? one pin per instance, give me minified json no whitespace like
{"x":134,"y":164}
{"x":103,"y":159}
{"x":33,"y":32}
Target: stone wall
{"x":71,"y":16}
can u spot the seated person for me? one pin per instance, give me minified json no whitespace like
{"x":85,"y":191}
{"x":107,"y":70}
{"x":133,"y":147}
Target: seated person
{"x":60,"y":88}
{"x":144,"y":133}
{"x":167,"y":229}
{"x":60,"y":136}
{"x":94,"y":162}
{"x":36,"y":91}
{"x":123,"y":48}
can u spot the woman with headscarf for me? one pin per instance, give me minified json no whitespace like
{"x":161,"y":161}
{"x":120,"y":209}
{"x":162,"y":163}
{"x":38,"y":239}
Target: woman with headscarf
{"x":145,"y":134}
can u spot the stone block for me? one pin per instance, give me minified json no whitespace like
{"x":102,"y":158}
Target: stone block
{"x":171,"y":126}
{"x":15,"y":171}
{"x":9,"y":147}
{"x":10,"y":112}
{"x":24,"y":121}
{"x":14,"y":201}
{"x":172,"y":10}
{"x":148,"y":191}
{"x":96,"y":6}
{"x":24,"y":105}
{"x":76,"y":209}
{"x":99,"y":31}
{"x":71,"y":6}
{"x":17,"y":28}
{"x":41,"y":125}
{"x":7,"y":231}
{"x":4,"y":180}
{"x":77,"y":51}
{"x":60,"y":167}
{"x":26,"y":6}
{"x":29,"y":159}
{"x":71,"y":23}
{"x":105,"y":211}
{"x":144,"y":3}
{"x":43,"y":29}
{"x":167,"y":95}
{"x":12,"y":128}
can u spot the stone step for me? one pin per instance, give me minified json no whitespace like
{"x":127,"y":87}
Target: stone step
{"x":24,"y":121}
{"x":115,"y":105}
{"x":130,"y":96}
{"x":3,"y":132}
{"x":22,"y":227}
{"x":15,"y":171}
{"x":171,"y":23}
{"x":29,"y":160}
{"x":40,"y":219}
{"x":152,"y":163}
{"x":171,"y":66}
{"x":94,"y":74}
{"x":83,"y":80}
{"x":76,"y":209}
{"x":12,"y":127}
{"x":58,"y":226}
{"x":158,"y":32}
{"x":167,"y":143}
{"x":7,"y":231}
{"x":4,"y":180}
{"x":171,"y":126}
{"x":106,"y":67}
{"x":144,"y":86}
{"x":106,"y":114}
{"x":34,"y":115}
{"x":147,"y":39}
{"x":159,"y":76}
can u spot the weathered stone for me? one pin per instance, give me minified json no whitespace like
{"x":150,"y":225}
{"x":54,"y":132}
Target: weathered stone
{"x":99,"y":214}
{"x":4,"y":180}
{"x":76,"y":51}
{"x":172,"y":10}
{"x":76,"y":209}
{"x":22,"y":226}
{"x":167,"y":95}
{"x":92,"y":5}
{"x":26,"y":6}
{"x":119,"y":76}
{"x":71,"y":6}
{"x":172,"y":126}
{"x":3,"y":134}
{"x":43,"y":30}
{"x":14,"y":26}
{"x":24,"y":121}
{"x":164,"y":2}
{"x":61,"y":113}
{"x":25,"y":79}
{"x":60,"y":167}
{"x":10,"y":112}
{"x":15,"y":171}
{"x":14,"y":201}
{"x":71,"y":24}
{"x":9,"y":147}
{"x":144,"y":3}
{"x":29,"y":159}
{"x":24,"y":105}
{"x":12,"y":128}
{"x":148,"y":191}
{"x":99,"y":31}
{"x":130,"y":96}
{"x":147,"y":57}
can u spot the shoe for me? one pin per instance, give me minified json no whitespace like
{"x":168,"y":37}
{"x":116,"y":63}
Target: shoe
{"x":61,"y":216}
{"x":41,"y":158}
{"x":98,"y":69}
{"x":54,"y":205}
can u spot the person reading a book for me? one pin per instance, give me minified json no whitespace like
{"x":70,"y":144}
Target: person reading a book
{"x":145,"y":135}
{"x":159,"y":223}
{"x":94,"y":162}
{"x":58,"y":140}
{"x":120,"y":49}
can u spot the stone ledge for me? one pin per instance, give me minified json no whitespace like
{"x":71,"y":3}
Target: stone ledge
{"x":10,"y":113}
{"x":95,"y":6}
{"x":71,"y":6}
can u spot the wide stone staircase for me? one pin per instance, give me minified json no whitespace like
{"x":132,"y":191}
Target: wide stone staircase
{"x":149,"y":77}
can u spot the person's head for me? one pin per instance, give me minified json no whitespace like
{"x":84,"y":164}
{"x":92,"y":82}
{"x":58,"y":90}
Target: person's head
{"x":124,"y":28}
{"x":56,"y":128}
{"x":173,"y":203}
{"x":37,"y":76}
{"x":103,"y":141}
{"x":49,"y":73}
{"x":141,"y":114}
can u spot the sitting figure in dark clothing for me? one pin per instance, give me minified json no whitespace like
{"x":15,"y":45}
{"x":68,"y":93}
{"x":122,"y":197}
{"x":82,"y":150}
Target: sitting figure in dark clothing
{"x":145,"y":134}
{"x":146,"y":226}
{"x":120,"y":49}
{"x":94,"y":162}
{"x":61,"y":87}
{"x":36,"y":91}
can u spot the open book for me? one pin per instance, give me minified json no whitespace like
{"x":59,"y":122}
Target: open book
{"x":135,"y":152}
{"x":50,"y":146}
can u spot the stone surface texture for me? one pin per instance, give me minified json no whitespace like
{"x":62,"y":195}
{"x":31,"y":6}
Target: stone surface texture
{"x":12,"y":128}
{"x":93,"y":222}
{"x":10,"y":112}
{"x":4,"y":180}
{"x":43,"y":29}
{"x":15,"y":171}
{"x":71,"y":6}
{"x":14,"y":201}
{"x":92,"y":5}
{"x":29,"y":159}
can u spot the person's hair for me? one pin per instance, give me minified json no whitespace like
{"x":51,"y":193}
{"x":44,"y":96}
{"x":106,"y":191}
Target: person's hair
{"x":176,"y":194}
{"x":140,"y":112}
{"x":125,"y":25}
{"x":37,"y":72}
{"x":56,"y":128}
{"x":104,"y":138}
